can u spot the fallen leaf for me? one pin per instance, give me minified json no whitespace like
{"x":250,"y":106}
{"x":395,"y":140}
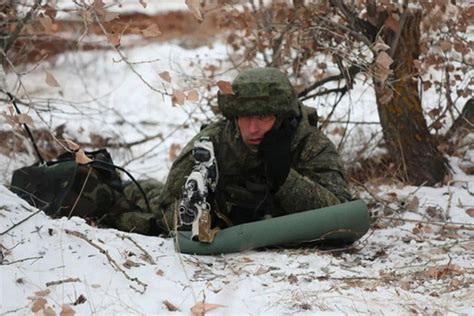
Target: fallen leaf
{"x":38,"y":304}
{"x":43,"y":293}
{"x":66,"y":310}
{"x":246,"y":259}
{"x":171,"y":307}
{"x":80,"y":300}
{"x":165,"y":76}
{"x":468,"y":246}
{"x":130,"y":264}
{"x":143,"y":3}
{"x":445,"y":45}
{"x":225,"y":87}
{"x":413,"y":204}
{"x":160,"y":272}
{"x":193,"y":6}
{"x":292,"y":279}
{"x":177,"y":97}
{"x":200,"y":308}
{"x":48,"y":311}
{"x":470,"y":212}
{"x":262,"y":270}
{"x":192,"y":96}
{"x":392,"y":196}
{"x":50,"y":80}
{"x":151,"y":31}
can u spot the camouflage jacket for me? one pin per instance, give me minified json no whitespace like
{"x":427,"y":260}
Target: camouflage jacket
{"x":315,"y":180}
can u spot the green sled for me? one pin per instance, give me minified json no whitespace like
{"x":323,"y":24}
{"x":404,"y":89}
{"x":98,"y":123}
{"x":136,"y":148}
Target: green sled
{"x":342,"y":223}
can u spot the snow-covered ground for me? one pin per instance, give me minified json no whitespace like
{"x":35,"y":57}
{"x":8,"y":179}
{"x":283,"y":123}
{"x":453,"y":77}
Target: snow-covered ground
{"x":417,"y":258}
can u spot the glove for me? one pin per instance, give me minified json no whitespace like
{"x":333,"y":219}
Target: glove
{"x":253,"y":199}
{"x":276,"y":152}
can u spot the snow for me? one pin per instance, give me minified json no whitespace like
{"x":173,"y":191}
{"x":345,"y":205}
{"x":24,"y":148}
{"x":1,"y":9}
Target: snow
{"x":417,"y":258}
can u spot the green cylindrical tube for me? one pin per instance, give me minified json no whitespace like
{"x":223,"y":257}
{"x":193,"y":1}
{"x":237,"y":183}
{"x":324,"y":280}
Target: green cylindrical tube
{"x":343,"y":223}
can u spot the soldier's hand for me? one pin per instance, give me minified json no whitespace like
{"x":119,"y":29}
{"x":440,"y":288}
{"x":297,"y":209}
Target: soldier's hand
{"x":276,"y":152}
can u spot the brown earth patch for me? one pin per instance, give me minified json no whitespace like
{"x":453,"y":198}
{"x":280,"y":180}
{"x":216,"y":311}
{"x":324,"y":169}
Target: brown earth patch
{"x":65,"y":35}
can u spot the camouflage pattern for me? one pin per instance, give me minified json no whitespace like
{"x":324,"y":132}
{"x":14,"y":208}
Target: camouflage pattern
{"x":243,"y":193}
{"x":316,"y":178}
{"x":259,"y":91}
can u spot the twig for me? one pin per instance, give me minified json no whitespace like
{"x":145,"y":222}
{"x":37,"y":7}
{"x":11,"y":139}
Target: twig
{"x":147,"y":256}
{"x":112,"y":262}
{"x":80,"y":193}
{"x":14,"y":36}
{"x":63,"y":281}
{"x":21,"y":260}
{"x":20,"y":222}
{"x":394,"y":44}
{"x":353,"y":70}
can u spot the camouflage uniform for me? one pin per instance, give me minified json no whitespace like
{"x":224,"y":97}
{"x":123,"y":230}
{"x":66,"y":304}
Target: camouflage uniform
{"x":244,"y":192}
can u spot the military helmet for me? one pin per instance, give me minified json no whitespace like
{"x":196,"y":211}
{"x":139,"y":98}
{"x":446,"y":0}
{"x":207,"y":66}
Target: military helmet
{"x":259,"y":91}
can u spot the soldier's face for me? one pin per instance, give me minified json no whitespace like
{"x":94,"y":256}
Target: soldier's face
{"x":253,"y":128}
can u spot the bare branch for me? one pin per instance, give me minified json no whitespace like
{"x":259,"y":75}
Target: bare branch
{"x":13,"y":37}
{"x":352,"y":71}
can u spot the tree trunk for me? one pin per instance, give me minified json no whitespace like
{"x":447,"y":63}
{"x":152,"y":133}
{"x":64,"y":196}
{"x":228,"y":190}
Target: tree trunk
{"x":404,"y":127}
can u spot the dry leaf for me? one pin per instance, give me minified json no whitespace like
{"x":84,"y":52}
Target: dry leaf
{"x":50,"y":80}
{"x":386,"y":96}
{"x":109,"y":16}
{"x":445,"y":45}
{"x":470,"y":212}
{"x":81,"y":157}
{"x":67,"y":311}
{"x":468,"y":246}
{"x":160,"y":272}
{"x":178,"y":97}
{"x":114,"y":39}
{"x":165,"y":76}
{"x":192,"y":96}
{"x":392,"y":196}
{"x":43,"y":293}
{"x":413,"y":204}
{"x":47,"y":23}
{"x":384,"y":60}
{"x":171,"y":307}
{"x":151,"y":31}
{"x":71,"y":145}
{"x":174,"y":152}
{"x":143,"y":3}
{"x":246,"y":259}
{"x":225,"y":87}
{"x":130,"y":264}
{"x":381,"y":46}
{"x":48,"y":311}
{"x":25,"y":119}
{"x":38,"y":305}
{"x":193,"y":6}
{"x":99,"y":7}
{"x":200,"y":308}
{"x":292,"y":279}
{"x":392,"y":23}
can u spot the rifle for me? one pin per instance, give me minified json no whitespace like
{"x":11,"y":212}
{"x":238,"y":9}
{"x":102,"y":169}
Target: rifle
{"x":194,"y":209}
